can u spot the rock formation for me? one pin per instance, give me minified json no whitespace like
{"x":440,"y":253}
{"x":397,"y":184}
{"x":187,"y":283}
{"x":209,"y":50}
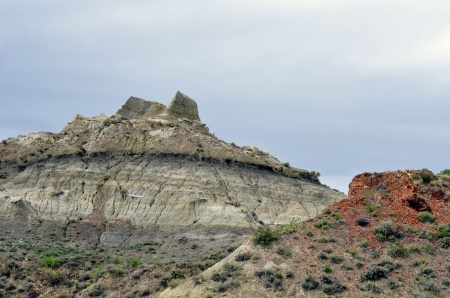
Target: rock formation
{"x":107,"y":179}
{"x":181,"y":107}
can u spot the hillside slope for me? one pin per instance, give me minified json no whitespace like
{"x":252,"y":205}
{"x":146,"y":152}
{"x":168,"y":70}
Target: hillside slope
{"x":389,"y":238}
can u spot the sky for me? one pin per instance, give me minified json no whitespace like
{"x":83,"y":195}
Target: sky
{"x":338,"y":87}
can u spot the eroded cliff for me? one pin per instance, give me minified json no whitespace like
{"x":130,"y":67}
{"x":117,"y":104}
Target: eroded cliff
{"x":106,"y":179}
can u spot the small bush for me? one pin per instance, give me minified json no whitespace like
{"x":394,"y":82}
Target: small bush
{"x":322,"y":256}
{"x":106,"y":177}
{"x":429,"y":248}
{"x":336,"y":259}
{"x":289,"y":274}
{"x":445,"y":242}
{"x":135,"y":262}
{"x":264,"y":236}
{"x":322,"y":224}
{"x":414,"y":248}
{"x":410,"y":229}
{"x":363,"y":222}
{"x":332,"y":286}
{"x":371,"y":286}
{"x":49,"y":262}
{"x":426,"y":176}
{"x":164,"y":281}
{"x":397,"y":251}
{"x":245,"y":256}
{"x":427,"y":272}
{"x":386,"y":232}
{"x":374,"y":273}
{"x":327,"y":268}
{"x":443,"y":230}
{"x":426,"y":217}
{"x":309,"y":283}
{"x":177,"y":274}
{"x":172,"y":284}
{"x":96,"y":290}
{"x":445,"y":282}
{"x":284,"y":251}
{"x":326,"y":240}
{"x":431,"y":287}
{"x":117,"y":271}
{"x":391,"y":284}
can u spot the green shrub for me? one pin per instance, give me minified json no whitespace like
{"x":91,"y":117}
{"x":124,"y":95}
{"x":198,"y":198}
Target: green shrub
{"x":426,"y":217}
{"x":327,"y":268}
{"x":445,"y":282}
{"x":410,"y":229}
{"x":332,"y":286}
{"x":374,"y":273}
{"x":322,"y":256}
{"x":363,"y":222}
{"x":96,"y":290}
{"x":371,"y":286}
{"x":445,"y":242}
{"x":49,"y":262}
{"x":284,"y":251}
{"x":414,"y":248}
{"x":245,"y":256}
{"x":106,"y":177}
{"x":165,"y":280}
{"x":445,"y":172}
{"x":326,"y":240}
{"x":117,"y":271}
{"x":177,"y":274}
{"x":309,"y":283}
{"x":322,"y":224}
{"x":135,"y":262}
{"x":172,"y":284}
{"x":53,"y":276}
{"x":232,"y":269}
{"x":391,"y":284}
{"x":443,"y":230}
{"x":386,"y":232}
{"x":431,"y":287}
{"x":429,"y":248}
{"x":427,"y":272}
{"x":264,"y":236}
{"x":397,"y":251}
{"x":426,"y":176}
{"x":336,"y":259}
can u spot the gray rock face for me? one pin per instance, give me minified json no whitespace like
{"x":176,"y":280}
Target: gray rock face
{"x":168,"y":192}
{"x":140,"y":108}
{"x":181,"y":106}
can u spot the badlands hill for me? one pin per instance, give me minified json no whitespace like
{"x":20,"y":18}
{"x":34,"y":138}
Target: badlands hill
{"x":150,"y":182}
{"x":389,"y":238}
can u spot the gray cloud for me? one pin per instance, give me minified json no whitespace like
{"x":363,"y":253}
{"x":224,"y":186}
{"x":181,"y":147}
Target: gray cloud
{"x":337,"y":87}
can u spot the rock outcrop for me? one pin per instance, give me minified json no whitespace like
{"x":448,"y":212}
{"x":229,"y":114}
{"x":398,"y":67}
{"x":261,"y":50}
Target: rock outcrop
{"x":181,"y":107}
{"x":107,"y":179}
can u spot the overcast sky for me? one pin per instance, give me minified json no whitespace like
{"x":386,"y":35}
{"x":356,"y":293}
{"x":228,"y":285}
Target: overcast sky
{"x":339,"y":87}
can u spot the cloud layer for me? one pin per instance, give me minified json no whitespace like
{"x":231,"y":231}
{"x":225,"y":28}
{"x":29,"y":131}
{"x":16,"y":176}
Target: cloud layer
{"x":337,"y":87}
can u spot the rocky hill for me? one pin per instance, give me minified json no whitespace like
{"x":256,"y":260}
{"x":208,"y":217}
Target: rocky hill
{"x":151,"y":176}
{"x":389,"y":238}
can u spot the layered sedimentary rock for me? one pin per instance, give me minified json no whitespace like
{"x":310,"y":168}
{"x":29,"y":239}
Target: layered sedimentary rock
{"x":148,"y":167}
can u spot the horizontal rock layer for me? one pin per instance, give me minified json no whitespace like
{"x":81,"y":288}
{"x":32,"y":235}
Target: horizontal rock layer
{"x":160,"y":190}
